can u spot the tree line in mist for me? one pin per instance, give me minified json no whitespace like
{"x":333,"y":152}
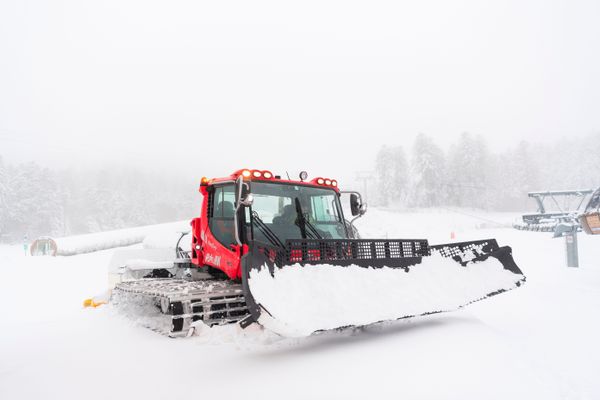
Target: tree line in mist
{"x":471,"y":173}
{"x":36,"y":201}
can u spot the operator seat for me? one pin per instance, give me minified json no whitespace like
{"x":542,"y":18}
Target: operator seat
{"x":285,"y":225}
{"x":287,"y":217}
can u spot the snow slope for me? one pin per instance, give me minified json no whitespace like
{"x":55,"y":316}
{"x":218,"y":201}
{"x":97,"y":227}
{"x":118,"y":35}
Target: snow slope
{"x":536,"y":342}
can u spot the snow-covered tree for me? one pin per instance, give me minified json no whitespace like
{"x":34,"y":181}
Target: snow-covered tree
{"x":3,"y":197}
{"x":468,"y":173}
{"x":36,"y":201}
{"x":586,"y":161}
{"x":400,"y":175}
{"x":391,"y":169}
{"x":517,"y":174}
{"x":427,"y":173}
{"x":384,"y":170}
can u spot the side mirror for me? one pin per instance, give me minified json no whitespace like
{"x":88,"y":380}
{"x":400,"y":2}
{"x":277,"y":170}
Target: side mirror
{"x":248,"y":200}
{"x":242,"y":194}
{"x":363,"y":209}
{"x":355,"y":205}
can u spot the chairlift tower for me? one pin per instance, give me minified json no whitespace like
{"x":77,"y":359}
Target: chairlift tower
{"x":568,"y":230}
{"x":563,"y":222}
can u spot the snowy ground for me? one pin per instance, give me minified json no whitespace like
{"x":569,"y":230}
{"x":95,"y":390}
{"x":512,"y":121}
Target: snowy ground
{"x":537,"y":342}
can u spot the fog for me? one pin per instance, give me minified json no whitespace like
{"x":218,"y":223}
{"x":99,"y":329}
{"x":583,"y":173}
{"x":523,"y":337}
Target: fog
{"x":194,"y":88}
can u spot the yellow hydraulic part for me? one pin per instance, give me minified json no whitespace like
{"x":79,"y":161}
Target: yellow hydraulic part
{"x":93,"y":303}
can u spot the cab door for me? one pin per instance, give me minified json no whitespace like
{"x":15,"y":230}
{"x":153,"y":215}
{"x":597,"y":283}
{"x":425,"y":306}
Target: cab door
{"x":220,"y":247}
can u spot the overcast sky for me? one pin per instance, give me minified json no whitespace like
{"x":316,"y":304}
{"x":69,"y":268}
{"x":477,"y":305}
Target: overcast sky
{"x":204,"y":87}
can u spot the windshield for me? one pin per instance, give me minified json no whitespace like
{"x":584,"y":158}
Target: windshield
{"x":295,"y":212}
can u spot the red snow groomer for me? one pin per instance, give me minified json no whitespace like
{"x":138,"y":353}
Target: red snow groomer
{"x":280,"y":253}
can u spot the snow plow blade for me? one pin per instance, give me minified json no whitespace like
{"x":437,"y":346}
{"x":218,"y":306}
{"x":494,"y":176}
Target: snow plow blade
{"x":313,"y":285}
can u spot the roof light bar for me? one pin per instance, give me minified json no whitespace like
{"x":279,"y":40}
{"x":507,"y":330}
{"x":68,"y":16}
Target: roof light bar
{"x":266,"y":174}
{"x":325,"y":182}
{"x":254,"y":173}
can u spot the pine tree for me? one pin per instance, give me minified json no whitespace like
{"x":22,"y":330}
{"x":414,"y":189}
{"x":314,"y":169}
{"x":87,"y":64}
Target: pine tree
{"x":518,"y":174}
{"x":3,"y":198}
{"x":399,"y":174}
{"x":428,"y":173}
{"x":468,"y":171}
{"x":384,"y":174}
{"x":587,"y":154}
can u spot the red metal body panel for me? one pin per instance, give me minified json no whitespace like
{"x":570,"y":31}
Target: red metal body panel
{"x":206,"y":249}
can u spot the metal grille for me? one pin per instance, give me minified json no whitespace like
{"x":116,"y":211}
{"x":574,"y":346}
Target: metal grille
{"x":402,"y":253}
{"x":377,"y":252}
{"x":466,"y":251}
{"x":211,"y":196}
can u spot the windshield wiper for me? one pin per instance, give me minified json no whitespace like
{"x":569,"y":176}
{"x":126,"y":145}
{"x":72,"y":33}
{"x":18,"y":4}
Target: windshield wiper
{"x":269,"y":234}
{"x":305,"y":223}
{"x":315,"y":233}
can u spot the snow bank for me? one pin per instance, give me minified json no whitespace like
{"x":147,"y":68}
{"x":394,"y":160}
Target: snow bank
{"x":73,"y":245}
{"x":70,"y":246}
{"x":303,"y":300}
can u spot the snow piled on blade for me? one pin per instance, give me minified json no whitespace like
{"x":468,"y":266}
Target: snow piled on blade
{"x":302,"y":300}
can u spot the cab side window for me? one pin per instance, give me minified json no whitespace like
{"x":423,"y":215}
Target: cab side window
{"x":322,"y":209}
{"x":221,"y":222}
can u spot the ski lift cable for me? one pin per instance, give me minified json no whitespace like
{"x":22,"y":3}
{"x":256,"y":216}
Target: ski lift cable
{"x":472,"y":216}
{"x":463,"y":186}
